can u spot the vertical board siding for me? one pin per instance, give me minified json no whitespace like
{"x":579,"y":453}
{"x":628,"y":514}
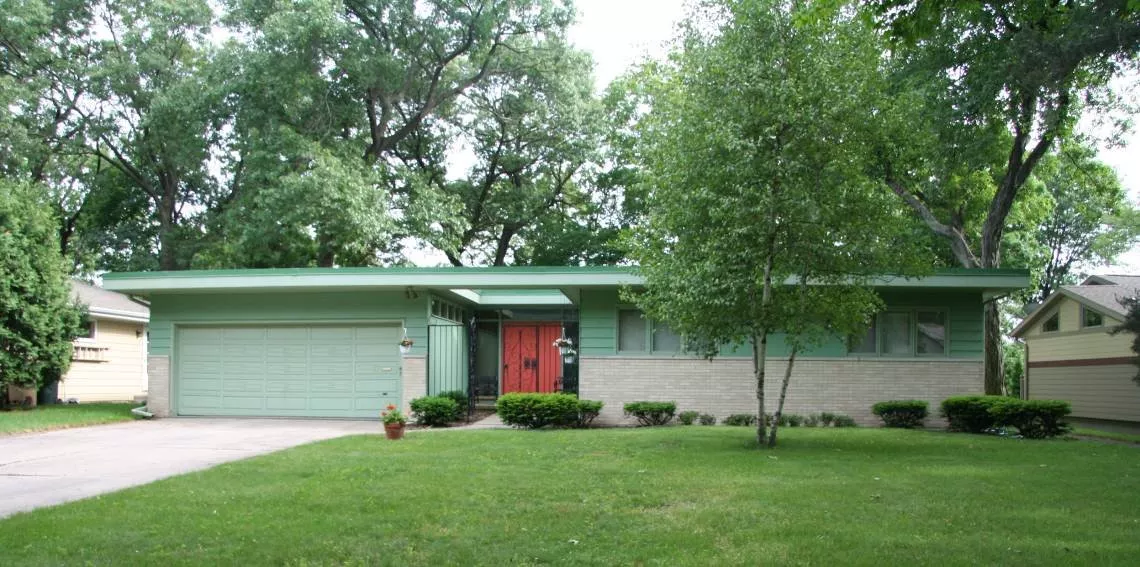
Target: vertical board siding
{"x":964,"y":317}
{"x":447,"y":361}
{"x":168,"y":309}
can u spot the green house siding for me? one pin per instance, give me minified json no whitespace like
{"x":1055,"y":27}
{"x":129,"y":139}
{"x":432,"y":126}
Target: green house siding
{"x":599,"y":308}
{"x":292,"y":307}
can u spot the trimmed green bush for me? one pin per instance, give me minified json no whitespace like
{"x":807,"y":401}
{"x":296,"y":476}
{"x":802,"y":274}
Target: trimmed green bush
{"x":970,"y":414}
{"x":707,"y":419}
{"x":688,"y":417}
{"x":826,"y":419}
{"x":651,"y":413}
{"x":534,"y":411}
{"x":844,"y":421}
{"x":588,"y":410}
{"x":1034,"y":419}
{"x":794,"y":420}
{"x":460,"y":398}
{"x":740,"y":420}
{"x":906,"y":414}
{"x":811,"y":420}
{"x":434,"y":411}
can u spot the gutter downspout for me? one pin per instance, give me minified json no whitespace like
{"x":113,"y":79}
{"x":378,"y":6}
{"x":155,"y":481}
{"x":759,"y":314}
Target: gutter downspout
{"x":141,"y":412}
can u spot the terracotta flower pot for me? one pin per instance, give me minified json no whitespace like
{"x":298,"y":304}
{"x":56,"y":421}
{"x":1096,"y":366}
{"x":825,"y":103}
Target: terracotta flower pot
{"x":394,"y":430}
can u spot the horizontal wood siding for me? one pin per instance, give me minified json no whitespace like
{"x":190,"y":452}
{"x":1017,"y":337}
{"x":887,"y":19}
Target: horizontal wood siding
{"x":122,"y":374}
{"x":964,"y":317}
{"x":1070,"y":319}
{"x":1078,"y":346}
{"x":1099,"y":392}
{"x":167,"y":309}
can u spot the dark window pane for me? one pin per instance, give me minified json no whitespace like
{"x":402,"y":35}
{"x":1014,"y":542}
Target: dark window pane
{"x":931,"y":332}
{"x":1092,"y":318}
{"x":1052,"y":323}
{"x":664,"y":339}
{"x":631,"y":331}
{"x":896,"y":333}
{"x":865,"y":344}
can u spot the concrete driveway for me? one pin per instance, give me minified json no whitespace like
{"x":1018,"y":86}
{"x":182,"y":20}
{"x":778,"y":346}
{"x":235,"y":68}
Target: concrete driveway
{"x":42,"y":469}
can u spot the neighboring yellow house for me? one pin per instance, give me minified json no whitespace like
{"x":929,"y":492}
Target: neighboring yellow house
{"x":109,"y":362}
{"x":1071,"y":354}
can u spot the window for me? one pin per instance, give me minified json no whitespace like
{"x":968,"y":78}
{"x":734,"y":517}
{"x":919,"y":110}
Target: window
{"x":664,"y":339}
{"x":1052,"y":324}
{"x":866,"y":344}
{"x":1090,"y":318}
{"x":631,"y":331}
{"x":896,"y":333}
{"x":931,"y":332}
{"x":87,"y":331}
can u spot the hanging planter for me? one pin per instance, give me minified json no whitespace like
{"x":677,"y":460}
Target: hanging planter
{"x":564,"y":346}
{"x":569,"y":355}
{"x":406,"y":345}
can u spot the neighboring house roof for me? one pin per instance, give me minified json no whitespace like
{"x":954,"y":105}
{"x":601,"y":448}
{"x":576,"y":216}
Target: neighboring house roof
{"x":105,"y":304}
{"x":1102,"y":293}
{"x":487,"y":286}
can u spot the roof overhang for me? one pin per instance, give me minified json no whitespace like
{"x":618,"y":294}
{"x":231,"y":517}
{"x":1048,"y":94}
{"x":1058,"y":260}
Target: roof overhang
{"x":99,"y":313}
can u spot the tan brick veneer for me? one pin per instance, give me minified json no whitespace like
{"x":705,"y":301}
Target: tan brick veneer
{"x":725,"y":386}
{"x":415,"y":381}
{"x":158,"y":385}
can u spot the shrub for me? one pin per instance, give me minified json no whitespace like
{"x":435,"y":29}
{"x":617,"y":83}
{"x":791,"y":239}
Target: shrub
{"x":651,"y":413}
{"x":970,"y":414}
{"x":811,"y":420}
{"x":688,"y":417}
{"x":707,"y":419}
{"x":533,"y":411}
{"x":460,"y":398}
{"x":795,"y":420}
{"x":826,"y":419}
{"x":740,"y":419}
{"x":844,"y":421}
{"x":1034,"y":419}
{"x":901,"y":413}
{"x":434,"y":411}
{"x":588,"y":410}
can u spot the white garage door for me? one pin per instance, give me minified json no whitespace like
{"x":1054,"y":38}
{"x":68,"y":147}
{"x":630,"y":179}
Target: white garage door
{"x":287,"y":370}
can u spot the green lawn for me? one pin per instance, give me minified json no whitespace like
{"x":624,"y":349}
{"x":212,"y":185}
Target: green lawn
{"x":664,"y":496}
{"x":1110,"y":435}
{"x":63,"y":416}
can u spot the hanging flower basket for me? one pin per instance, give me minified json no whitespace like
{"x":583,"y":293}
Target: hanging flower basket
{"x":406,"y":345}
{"x":569,"y":355}
{"x":564,"y":346}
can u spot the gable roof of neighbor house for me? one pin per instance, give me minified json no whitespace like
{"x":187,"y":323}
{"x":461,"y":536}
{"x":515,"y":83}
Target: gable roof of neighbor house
{"x":1105,"y":293}
{"x":106,"y":304}
{"x":488,"y":285}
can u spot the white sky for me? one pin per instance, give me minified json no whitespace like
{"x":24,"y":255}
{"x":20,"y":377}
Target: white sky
{"x":619,"y":33}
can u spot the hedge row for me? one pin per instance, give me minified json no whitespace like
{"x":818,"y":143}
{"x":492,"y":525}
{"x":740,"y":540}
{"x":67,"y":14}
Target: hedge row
{"x":534,"y":411}
{"x":1033,"y":419}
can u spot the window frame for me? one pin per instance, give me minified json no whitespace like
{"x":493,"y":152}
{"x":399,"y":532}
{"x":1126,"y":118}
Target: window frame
{"x":650,"y":328}
{"x":912,"y":330}
{"x":1084,"y":316}
{"x":94,"y":325}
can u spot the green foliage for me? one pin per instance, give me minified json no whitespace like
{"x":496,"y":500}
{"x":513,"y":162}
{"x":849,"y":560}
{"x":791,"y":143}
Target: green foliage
{"x":970,"y":414}
{"x":1014,"y":357}
{"x":826,"y":419}
{"x":844,"y":421}
{"x":1131,"y":325}
{"x":740,"y":420}
{"x":434,"y":411}
{"x":38,"y":319}
{"x":901,"y":413}
{"x":812,"y":420}
{"x":793,"y":420}
{"x":707,"y":419}
{"x":1034,"y":419}
{"x":535,"y":411}
{"x":460,"y":398}
{"x":588,"y":411}
{"x":651,"y":413}
{"x":688,"y":417}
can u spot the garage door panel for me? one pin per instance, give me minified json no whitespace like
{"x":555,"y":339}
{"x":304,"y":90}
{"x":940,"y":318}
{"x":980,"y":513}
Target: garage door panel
{"x":288,"y":370}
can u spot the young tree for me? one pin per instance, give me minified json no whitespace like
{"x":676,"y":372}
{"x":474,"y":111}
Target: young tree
{"x":38,"y":319}
{"x":992,"y":86}
{"x":756,"y":161}
{"x":1131,"y":325}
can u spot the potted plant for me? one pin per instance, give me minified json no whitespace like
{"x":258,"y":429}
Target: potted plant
{"x":566,"y":347}
{"x":406,"y":345}
{"x":394,"y":422}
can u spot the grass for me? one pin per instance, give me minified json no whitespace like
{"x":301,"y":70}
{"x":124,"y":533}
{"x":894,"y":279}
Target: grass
{"x":62,"y":416}
{"x":659,"y":496}
{"x":1110,"y":435}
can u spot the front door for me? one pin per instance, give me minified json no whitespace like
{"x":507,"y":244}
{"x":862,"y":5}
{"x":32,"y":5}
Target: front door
{"x":531,"y":363}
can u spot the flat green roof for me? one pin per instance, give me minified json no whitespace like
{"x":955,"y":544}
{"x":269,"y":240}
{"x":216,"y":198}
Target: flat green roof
{"x":497,"y":283}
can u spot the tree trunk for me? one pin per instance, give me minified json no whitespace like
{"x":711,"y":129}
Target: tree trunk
{"x":759,"y":351}
{"x":783,"y":395}
{"x":994,"y":371}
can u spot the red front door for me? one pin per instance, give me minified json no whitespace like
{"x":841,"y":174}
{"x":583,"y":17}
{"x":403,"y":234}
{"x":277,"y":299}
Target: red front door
{"x":531,"y":363}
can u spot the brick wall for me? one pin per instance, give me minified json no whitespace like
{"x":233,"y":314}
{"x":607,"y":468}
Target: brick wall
{"x":725,"y":386}
{"x":415,"y":381}
{"x":158,"y":385}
